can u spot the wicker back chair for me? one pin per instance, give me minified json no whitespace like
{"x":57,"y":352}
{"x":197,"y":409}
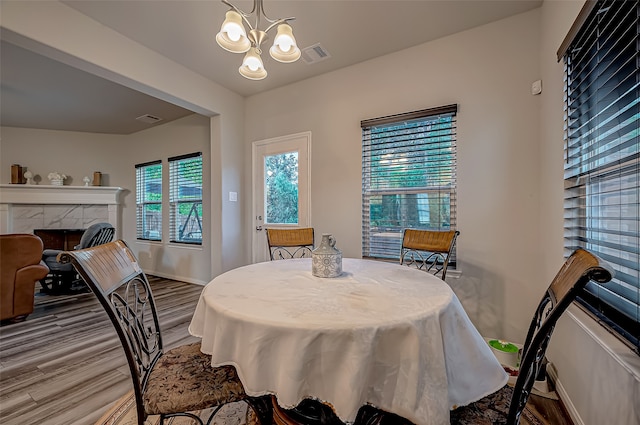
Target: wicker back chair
{"x":166,"y":383}
{"x":505,"y":406}
{"x":428,"y":250}
{"x":290,"y":243}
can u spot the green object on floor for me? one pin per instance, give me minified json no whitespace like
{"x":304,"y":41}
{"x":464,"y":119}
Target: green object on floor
{"x":505,"y":346}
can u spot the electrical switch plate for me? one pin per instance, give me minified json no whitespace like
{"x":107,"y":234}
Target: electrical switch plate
{"x":233,"y":196}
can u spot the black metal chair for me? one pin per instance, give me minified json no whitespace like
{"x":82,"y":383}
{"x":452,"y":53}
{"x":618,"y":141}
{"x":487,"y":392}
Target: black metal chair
{"x":505,"y":406}
{"x":428,"y":250}
{"x":168,"y":383}
{"x":61,"y":276}
{"x":290,"y":243}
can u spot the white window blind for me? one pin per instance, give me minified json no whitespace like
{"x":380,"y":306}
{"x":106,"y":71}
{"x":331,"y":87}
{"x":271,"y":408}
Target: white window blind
{"x":149,"y":201}
{"x":602,"y":150}
{"x":185,"y":198}
{"x":408,"y":177}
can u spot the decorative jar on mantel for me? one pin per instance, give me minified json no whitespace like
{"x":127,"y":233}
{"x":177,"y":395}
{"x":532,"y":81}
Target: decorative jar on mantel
{"x":56,"y":178}
{"x":326,"y":259}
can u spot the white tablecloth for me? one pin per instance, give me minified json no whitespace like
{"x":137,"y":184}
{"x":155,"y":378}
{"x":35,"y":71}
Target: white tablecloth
{"x":381,"y":333}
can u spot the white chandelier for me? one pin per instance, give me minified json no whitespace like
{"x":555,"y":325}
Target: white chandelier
{"x":233,"y":38}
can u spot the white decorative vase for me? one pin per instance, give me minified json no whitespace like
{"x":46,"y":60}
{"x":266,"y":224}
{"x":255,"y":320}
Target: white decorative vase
{"x":57,"y":182}
{"x":326,"y":259}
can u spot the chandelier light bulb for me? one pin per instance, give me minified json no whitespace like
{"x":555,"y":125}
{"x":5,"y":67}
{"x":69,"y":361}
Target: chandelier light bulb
{"x":232,"y":36}
{"x":252,"y":66}
{"x":252,"y":62}
{"x":284,"y":45}
{"x":233,"y":32}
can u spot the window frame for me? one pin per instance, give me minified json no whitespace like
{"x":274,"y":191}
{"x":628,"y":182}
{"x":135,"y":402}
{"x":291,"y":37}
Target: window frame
{"x":176,"y":200}
{"x":599,"y":113}
{"x":142,"y":203}
{"x":382,"y":244}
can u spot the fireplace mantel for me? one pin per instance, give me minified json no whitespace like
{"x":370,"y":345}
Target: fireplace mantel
{"x":27,"y":207}
{"x":41,"y":194}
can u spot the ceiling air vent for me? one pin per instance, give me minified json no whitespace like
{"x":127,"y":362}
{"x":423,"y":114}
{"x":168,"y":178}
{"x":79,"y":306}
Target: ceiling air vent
{"x":149,"y":119}
{"x":314,"y":54}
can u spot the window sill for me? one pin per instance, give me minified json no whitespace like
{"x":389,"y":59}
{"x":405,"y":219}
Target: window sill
{"x":190,"y":246}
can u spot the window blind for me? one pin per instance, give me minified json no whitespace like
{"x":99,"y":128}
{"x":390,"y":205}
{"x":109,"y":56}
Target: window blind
{"x":408,"y":177}
{"x":185,"y":198}
{"x":602,"y":151}
{"x":149,"y":201}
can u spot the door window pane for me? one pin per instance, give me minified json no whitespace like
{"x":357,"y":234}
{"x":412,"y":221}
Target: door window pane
{"x":281,"y":188}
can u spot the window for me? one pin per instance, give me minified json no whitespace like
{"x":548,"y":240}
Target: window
{"x":602,"y":151}
{"x":149,"y":201}
{"x":281,"y":188}
{"x":408,"y":177}
{"x":185,"y":198}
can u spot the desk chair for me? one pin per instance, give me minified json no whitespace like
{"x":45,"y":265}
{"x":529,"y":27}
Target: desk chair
{"x":290,"y":243}
{"x":505,"y":406}
{"x":168,"y":383}
{"x":428,"y":250}
{"x":62,"y":276}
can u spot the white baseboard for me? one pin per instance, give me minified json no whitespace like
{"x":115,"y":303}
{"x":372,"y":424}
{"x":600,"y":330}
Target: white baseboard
{"x":564,"y":397}
{"x":175,"y":277}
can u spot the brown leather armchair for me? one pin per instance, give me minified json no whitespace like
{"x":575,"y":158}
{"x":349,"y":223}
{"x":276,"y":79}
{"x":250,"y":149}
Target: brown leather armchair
{"x":21,"y":267}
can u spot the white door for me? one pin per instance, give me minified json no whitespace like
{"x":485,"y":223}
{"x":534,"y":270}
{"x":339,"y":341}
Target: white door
{"x":281,"y":187}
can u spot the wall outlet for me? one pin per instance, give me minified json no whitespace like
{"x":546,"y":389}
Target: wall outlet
{"x":536,"y":87}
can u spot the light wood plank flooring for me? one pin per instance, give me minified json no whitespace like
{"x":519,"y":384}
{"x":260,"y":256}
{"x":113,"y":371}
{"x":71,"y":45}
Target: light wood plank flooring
{"x":64,"y":365}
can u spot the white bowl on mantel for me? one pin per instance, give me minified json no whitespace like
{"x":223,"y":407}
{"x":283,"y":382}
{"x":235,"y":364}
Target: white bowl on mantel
{"x":57,"y":182}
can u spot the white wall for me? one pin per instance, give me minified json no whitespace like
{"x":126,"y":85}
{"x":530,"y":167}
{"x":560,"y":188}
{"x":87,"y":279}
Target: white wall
{"x":598,"y":375}
{"x":488,"y":72}
{"x":183,"y":136}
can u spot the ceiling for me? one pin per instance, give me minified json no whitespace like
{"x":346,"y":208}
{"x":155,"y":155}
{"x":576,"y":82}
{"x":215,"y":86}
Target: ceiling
{"x":38,"y":92}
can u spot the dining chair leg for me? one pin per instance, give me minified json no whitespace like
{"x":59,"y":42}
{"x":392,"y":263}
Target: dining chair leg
{"x":369,"y":415}
{"x":263,"y":408}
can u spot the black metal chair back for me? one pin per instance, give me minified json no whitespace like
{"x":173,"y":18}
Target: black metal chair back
{"x":169,"y":383}
{"x":117,"y":280}
{"x":428,"y":250}
{"x":581,"y":267}
{"x":290,"y":243}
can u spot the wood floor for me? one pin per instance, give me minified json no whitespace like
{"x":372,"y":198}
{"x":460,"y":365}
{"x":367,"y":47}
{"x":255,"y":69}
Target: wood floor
{"x":64,"y":365}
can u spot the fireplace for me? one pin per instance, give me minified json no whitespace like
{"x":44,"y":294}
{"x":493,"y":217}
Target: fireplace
{"x":25,"y":208}
{"x":61,"y":239}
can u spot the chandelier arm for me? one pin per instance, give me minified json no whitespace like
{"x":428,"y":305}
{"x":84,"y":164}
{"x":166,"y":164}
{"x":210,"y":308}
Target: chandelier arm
{"x":245,"y":16}
{"x":278,"y":22}
{"x":258,"y":7}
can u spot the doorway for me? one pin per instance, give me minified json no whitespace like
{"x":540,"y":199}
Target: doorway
{"x":281,"y":187}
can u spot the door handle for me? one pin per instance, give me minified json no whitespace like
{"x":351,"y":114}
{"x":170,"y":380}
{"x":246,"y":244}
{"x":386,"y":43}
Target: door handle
{"x":258,"y":228}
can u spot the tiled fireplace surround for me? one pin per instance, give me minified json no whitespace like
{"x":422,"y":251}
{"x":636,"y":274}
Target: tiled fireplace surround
{"x":24,"y":208}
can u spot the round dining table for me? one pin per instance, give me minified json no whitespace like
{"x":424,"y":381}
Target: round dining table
{"x":380,"y":333}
